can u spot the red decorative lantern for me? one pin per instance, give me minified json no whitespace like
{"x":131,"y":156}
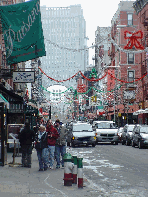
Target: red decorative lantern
{"x":133,"y":40}
{"x":40,"y":110}
{"x":81,"y":88}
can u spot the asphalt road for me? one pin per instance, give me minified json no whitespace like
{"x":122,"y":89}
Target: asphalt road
{"x":115,"y":170}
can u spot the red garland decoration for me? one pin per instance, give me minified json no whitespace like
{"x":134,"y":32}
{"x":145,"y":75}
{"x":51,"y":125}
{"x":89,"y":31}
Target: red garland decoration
{"x":127,"y":81}
{"x":81,"y":88}
{"x":69,"y":98}
{"x":54,"y":79}
{"x":133,"y":40}
{"x":92,"y":79}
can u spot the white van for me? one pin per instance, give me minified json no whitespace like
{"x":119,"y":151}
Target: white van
{"x":106,"y":131}
{"x":81,"y":133}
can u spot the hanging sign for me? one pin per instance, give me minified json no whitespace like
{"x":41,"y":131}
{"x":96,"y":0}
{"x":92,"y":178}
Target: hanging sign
{"x":81,"y":88}
{"x":24,"y":77}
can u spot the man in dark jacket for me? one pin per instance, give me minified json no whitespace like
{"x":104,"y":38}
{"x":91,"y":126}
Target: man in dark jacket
{"x":51,"y":140}
{"x":26,"y":138}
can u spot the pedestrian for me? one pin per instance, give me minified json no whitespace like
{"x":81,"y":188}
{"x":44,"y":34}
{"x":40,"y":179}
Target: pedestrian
{"x":41,"y":148}
{"x":26,"y":137}
{"x":60,"y":147}
{"x":51,"y":140}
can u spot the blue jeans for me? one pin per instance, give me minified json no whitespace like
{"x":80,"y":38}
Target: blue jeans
{"x":51,"y":155}
{"x":60,"y":149}
{"x":43,"y":158}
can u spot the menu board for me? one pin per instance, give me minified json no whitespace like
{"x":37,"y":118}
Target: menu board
{"x":13,"y":132}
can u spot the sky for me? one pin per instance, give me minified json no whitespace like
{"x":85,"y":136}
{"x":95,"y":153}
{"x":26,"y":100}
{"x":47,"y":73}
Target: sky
{"x":95,"y":12}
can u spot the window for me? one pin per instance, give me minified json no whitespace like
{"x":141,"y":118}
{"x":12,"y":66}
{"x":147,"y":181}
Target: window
{"x":130,"y":58}
{"x":130,"y":76}
{"x":130,"y":19}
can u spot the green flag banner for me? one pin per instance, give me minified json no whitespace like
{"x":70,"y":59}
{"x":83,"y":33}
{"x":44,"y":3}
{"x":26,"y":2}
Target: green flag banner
{"x":22,"y":31}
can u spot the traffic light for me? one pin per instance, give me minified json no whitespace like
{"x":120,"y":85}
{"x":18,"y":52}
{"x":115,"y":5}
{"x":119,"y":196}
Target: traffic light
{"x":94,"y":98}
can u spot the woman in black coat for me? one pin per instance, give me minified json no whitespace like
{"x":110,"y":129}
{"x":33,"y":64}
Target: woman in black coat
{"x":41,"y":148}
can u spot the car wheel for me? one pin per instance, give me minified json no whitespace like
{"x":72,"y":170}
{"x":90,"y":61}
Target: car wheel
{"x":126,"y":143}
{"x":93,"y":145}
{"x":116,"y":143}
{"x":133,"y":144}
{"x":68,"y":143}
{"x":139,"y":145}
{"x":72,"y":144}
{"x":123,"y":142}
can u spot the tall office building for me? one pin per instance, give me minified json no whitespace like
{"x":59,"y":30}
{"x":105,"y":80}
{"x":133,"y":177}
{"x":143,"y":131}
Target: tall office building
{"x":64,"y":30}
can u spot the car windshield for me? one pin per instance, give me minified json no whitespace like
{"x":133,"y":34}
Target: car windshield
{"x":144,"y":130}
{"x":120,"y":129}
{"x":82,"y":127}
{"x":105,"y":125}
{"x":130,"y":128}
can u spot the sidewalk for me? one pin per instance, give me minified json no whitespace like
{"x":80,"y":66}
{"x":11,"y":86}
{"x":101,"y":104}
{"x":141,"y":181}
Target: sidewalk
{"x":17,"y":181}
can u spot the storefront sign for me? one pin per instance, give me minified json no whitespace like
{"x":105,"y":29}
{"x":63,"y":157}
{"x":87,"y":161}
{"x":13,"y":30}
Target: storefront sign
{"x":22,"y":31}
{"x":129,"y":95}
{"x":24,"y":77}
{"x":13,"y":132}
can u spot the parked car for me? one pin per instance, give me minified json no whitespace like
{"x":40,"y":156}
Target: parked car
{"x":140,"y":136}
{"x":119,"y":132}
{"x":81,"y":133}
{"x":127,"y":134}
{"x":106,"y":131}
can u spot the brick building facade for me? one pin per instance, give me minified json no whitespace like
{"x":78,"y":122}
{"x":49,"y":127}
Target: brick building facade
{"x":141,"y":8}
{"x":131,"y":96}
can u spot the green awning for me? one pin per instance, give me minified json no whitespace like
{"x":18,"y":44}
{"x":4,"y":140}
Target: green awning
{"x":2,"y":99}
